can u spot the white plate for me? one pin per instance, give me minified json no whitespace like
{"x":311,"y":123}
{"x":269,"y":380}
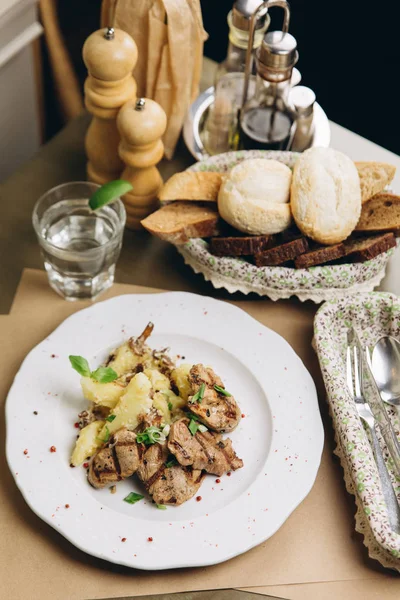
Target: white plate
{"x":280,"y":438}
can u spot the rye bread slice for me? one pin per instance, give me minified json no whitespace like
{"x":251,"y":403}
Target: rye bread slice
{"x":179,"y":221}
{"x":240,"y":246}
{"x":363,"y":249}
{"x":381,"y":213}
{"x":320,"y":256}
{"x":282,"y":253}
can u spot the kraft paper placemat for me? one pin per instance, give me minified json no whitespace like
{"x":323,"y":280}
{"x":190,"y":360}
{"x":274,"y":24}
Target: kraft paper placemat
{"x":316,"y":544}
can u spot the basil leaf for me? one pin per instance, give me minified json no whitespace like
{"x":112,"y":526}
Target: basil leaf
{"x":193,"y":427}
{"x":132,"y":498}
{"x":161,"y":506}
{"x":80,"y":365}
{"x":104,"y":375}
{"x":111,"y":418}
{"x":221,"y":390}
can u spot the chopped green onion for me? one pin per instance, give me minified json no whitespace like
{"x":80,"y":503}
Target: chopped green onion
{"x":132,"y":498}
{"x":193,"y":427}
{"x":202,"y":428}
{"x":221,"y":390}
{"x":111,"y":418}
{"x":166,"y":430}
{"x":161,"y":506}
{"x":199,"y":395}
{"x":170,"y":406}
{"x":107,"y":437}
{"x":171,"y":462}
{"x":192,"y":416}
{"x":151,"y":435}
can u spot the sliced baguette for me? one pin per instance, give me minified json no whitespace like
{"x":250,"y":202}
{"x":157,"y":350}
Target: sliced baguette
{"x":380,"y":213}
{"x":374,"y":177}
{"x":282,"y":253}
{"x":203,"y":186}
{"x":363,"y":249}
{"x":180,"y":221}
{"x":240,"y":245}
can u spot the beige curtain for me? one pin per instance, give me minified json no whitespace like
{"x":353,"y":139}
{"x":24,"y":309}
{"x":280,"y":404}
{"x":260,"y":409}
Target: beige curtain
{"x":170,"y":37}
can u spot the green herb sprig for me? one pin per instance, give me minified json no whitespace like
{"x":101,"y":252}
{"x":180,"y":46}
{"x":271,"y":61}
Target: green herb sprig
{"x":102,"y":374}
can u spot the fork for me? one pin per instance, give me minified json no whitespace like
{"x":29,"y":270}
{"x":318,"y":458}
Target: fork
{"x":354,"y":374}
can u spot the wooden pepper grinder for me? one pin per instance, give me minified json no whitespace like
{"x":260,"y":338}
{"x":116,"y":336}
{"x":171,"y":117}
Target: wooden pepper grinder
{"x":109,"y":55}
{"x":141,"y":124}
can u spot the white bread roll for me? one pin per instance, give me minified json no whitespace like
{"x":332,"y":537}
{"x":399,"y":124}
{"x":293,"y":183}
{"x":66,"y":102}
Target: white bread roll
{"x":325,"y":195}
{"x":255,"y":197}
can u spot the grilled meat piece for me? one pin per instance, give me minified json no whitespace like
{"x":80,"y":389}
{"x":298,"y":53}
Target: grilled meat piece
{"x":206,"y":450}
{"x":176,"y":485}
{"x":152,"y":462}
{"x":120,"y":459}
{"x":215,"y":410}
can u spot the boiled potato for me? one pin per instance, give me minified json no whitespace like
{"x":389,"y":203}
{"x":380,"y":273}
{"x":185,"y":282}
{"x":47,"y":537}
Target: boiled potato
{"x":180,"y":378}
{"x":125,"y":360}
{"x":160,"y":402}
{"x":87,"y":443}
{"x":106,"y":394}
{"x":134,"y":401}
{"x":159,"y":381}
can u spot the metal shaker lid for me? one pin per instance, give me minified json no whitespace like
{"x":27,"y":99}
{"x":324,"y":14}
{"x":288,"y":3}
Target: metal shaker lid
{"x":302,"y":98}
{"x":241,"y":14}
{"x":278,"y":51}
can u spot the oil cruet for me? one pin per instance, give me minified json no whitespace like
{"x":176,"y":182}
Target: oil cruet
{"x":267,"y":118}
{"x":221,"y":123}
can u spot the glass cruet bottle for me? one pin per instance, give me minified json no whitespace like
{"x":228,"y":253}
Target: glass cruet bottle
{"x":267,"y":119}
{"x":222,"y":119}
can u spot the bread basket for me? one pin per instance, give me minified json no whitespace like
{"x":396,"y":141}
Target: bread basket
{"x":238,"y":275}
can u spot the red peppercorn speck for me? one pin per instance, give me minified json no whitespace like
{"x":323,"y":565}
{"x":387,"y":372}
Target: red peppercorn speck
{"x":86,"y":465}
{"x":53,"y":449}
{"x":123,"y":540}
{"x":149,"y":539}
{"x":25,"y":452}
{"x":217,"y":481}
{"x":76,"y":425}
{"x":67,"y":506}
{"x":199,"y":498}
{"x":243,"y":415}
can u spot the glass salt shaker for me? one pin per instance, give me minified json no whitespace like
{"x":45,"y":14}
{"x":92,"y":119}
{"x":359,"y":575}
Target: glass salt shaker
{"x":221,"y":124}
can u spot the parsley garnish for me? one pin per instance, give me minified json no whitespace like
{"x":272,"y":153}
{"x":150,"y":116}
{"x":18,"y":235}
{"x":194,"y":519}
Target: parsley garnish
{"x":221,"y":390}
{"x":132,"y":498}
{"x":102,"y":374}
{"x":111,"y":418}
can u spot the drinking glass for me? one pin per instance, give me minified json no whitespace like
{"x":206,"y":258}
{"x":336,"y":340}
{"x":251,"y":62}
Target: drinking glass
{"x":80,"y":247}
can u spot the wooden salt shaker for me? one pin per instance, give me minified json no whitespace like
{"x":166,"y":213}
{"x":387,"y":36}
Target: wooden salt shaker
{"x":141,"y":124}
{"x":110,"y":56}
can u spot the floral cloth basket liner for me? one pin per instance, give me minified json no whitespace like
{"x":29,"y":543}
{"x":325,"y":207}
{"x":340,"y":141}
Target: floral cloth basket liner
{"x":372,"y":315}
{"x":236,"y":274}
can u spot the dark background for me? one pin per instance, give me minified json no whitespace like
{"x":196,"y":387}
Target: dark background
{"x":349,"y":54}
